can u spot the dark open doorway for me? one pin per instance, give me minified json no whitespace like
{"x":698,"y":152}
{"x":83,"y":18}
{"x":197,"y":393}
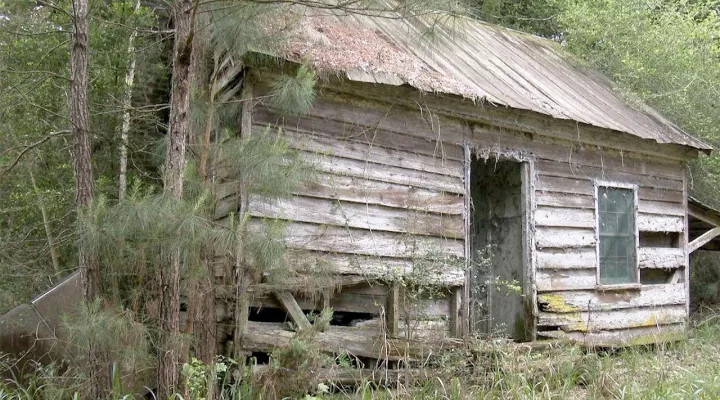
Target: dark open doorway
{"x":498,"y":250}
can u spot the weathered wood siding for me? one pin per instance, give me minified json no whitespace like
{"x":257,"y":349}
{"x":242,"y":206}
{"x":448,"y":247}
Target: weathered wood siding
{"x":570,"y":303}
{"x":387,"y":192}
{"x":390,"y":190}
{"x":387,"y":196}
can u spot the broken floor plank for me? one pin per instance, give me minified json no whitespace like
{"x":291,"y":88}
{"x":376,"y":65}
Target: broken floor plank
{"x":265,"y":337}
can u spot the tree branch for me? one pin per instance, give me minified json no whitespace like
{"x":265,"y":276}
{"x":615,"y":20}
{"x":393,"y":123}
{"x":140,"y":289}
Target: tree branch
{"x":30,"y":147}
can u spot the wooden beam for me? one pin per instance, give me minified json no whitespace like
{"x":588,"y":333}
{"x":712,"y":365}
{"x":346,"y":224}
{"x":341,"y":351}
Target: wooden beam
{"x":265,"y":336}
{"x":676,"y":276}
{"x":703,"y":215}
{"x":242,"y":276}
{"x":703,"y":239}
{"x":293,"y":309}
{"x":392,"y":312}
{"x":467,"y":314}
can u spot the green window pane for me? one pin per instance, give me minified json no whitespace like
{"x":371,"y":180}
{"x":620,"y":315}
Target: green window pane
{"x":616,"y":213}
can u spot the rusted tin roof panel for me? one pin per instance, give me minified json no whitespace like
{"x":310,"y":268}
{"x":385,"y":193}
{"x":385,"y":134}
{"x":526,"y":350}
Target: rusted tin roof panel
{"x":477,"y":61}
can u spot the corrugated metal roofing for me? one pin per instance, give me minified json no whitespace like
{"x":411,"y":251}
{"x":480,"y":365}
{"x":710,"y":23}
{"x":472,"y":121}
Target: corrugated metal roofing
{"x":475,"y":60}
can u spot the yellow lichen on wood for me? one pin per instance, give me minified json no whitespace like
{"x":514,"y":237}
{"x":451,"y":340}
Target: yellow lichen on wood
{"x":556,"y":303}
{"x":658,"y":337}
{"x":655,"y":319}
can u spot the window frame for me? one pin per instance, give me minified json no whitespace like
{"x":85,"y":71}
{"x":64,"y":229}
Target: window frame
{"x":616,"y":185}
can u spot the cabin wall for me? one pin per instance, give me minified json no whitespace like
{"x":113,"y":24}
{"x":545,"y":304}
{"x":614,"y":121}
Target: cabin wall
{"x":387,"y":196}
{"x":390,"y":190}
{"x":569,"y":301}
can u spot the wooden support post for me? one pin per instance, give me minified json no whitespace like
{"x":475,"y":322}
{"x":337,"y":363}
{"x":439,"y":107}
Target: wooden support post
{"x":242,"y":275}
{"x":293,"y":309}
{"x":703,"y":239}
{"x":467,"y":318}
{"x":392,"y":311}
{"x":456,"y":320}
{"x":527,"y":192}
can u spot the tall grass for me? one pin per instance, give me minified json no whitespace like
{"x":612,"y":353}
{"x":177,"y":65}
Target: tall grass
{"x":682,"y":370}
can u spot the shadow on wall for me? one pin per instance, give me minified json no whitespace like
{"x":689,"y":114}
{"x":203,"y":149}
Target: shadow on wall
{"x":704,"y":280}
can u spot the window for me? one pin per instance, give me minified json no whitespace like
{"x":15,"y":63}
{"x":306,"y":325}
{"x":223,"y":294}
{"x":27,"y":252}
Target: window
{"x":617,"y":235}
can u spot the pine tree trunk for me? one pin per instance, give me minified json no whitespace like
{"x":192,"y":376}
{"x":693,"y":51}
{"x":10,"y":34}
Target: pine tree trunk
{"x":127,"y":102}
{"x":169,"y":275}
{"x":205,"y":325}
{"x":99,"y":366}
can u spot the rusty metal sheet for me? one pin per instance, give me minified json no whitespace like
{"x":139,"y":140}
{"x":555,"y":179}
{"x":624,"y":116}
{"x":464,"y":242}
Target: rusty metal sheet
{"x":478,"y":61}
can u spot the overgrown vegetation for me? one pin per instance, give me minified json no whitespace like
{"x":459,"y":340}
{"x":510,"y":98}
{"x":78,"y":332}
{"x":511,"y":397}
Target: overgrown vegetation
{"x":498,"y":370}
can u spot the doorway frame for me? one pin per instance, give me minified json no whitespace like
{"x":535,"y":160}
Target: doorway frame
{"x":528,"y":206}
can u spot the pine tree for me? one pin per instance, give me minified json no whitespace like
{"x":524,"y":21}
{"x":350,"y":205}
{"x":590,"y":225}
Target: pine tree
{"x":99,"y":367}
{"x":183,"y":12}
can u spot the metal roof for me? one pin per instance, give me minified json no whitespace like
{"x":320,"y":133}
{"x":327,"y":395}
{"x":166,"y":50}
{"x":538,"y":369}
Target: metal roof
{"x":478,"y":61}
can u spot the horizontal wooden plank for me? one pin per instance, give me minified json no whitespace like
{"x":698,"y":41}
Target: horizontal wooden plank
{"x":370,"y":153}
{"x":576,"y":279}
{"x":564,"y":237}
{"x":412,"y":329}
{"x":615,"y":319}
{"x":365,"y":191}
{"x":578,"y":258}
{"x":563,"y":217}
{"x":660,"y":223}
{"x":446,"y":274}
{"x":391,"y":118}
{"x":577,"y":186}
{"x":266,"y":337}
{"x":355,"y":215}
{"x":384,"y":173}
{"x":593,"y":300}
{"x":565,"y":185}
{"x":529,"y":125}
{"x":575,"y":171}
{"x":558,"y":199}
{"x":623,"y":337}
{"x":490,"y":137}
{"x":661,"y":257}
{"x":566,"y":200}
{"x":668,"y":196}
{"x":661,"y":208}
{"x":368,"y":134}
{"x":305,"y":236}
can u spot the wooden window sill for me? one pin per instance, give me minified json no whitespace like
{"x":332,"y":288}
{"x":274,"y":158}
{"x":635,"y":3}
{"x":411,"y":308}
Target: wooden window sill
{"x":624,"y":286}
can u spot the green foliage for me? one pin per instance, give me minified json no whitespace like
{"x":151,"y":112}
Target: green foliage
{"x":293,"y":368}
{"x":199,"y":377}
{"x":534,"y":16}
{"x":116,"y":330}
{"x":666,"y":53}
{"x":34,"y":66}
{"x":294,"y":94}
{"x":265,"y":164}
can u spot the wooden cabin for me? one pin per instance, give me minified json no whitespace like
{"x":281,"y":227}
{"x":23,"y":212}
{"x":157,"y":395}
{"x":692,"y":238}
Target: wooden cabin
{"x":481,"y":184}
